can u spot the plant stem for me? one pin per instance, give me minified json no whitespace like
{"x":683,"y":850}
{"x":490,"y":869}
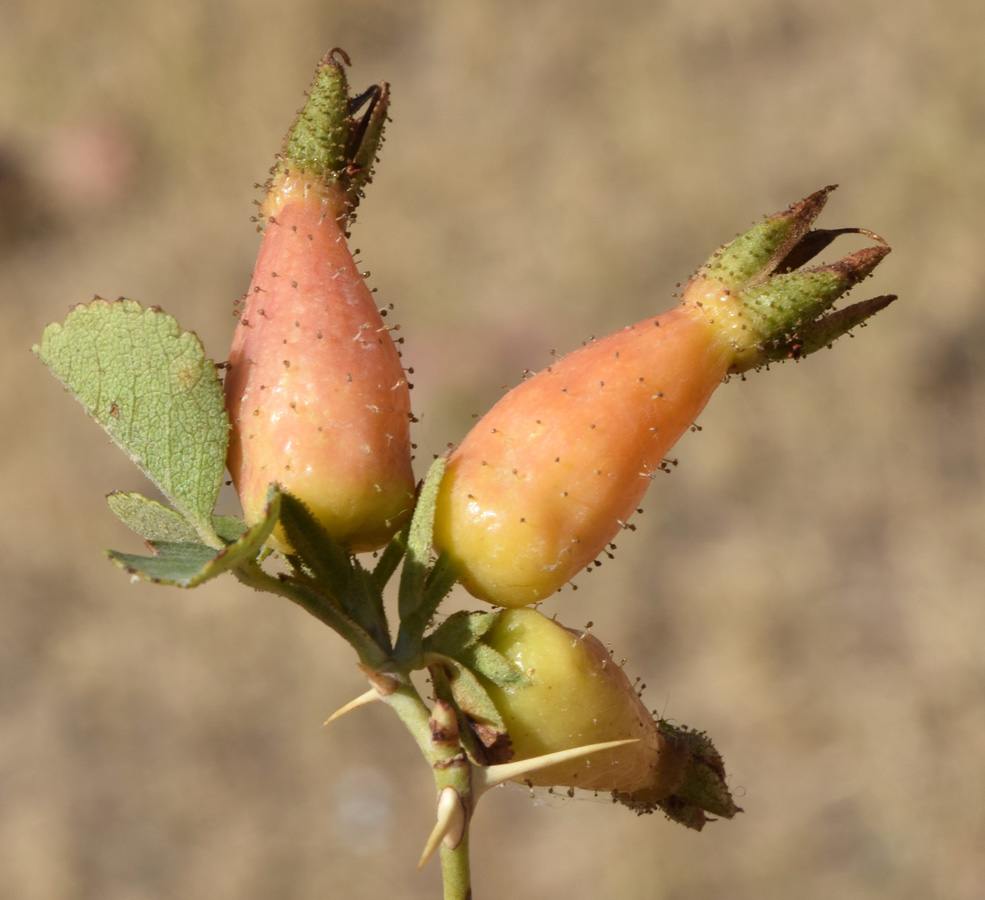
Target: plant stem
{"x":455,"y":873}
{"x":437,"y":737}
{"x":406,"y":702}
{"x":451,"y":768}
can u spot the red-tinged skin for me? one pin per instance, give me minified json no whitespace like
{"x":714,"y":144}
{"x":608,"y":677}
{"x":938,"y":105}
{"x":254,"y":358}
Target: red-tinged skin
{"x":547,"y":478}
{"x":315,"y":391}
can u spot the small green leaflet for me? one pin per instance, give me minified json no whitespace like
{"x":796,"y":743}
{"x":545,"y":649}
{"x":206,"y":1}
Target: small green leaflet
{"x":187,"y":563}
{"x":156,"y":522}
{"x":151,"y":387}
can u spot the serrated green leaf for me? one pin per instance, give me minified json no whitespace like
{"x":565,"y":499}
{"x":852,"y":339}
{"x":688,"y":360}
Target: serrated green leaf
{"x":151,"y":520}
{"x":154,"y":521}
{"x":179,"y":564}
{"x":151,"y":387}
{"x":186,"y":564}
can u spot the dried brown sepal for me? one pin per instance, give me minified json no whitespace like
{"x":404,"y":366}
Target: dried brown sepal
{"x":702,"y":790}
{"x":816,"y":241}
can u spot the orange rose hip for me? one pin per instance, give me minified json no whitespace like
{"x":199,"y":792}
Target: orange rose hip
{"x":315,"y":390}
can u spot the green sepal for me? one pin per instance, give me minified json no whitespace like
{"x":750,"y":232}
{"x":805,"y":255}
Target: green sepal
{"x":366,"y":139}
{"x":490,"y":664}
{"x":319,"y":138}
{"x":151,"y":387}
{"x":155,"y":522}
{"x":793,"y":290}
{"x":187,"y":564}
{"x":755,"y":254}
{"x":462,"y":668}
{"x":469,"y":694}
{"x":327,"y":141}
{"x":417,"y":560}
{"x":442,"y":577}
{"x":768,"y":308}
{"x":789,"y":308}
{"x":372,"y":611}
{"x":324,"y":606}
{"x":826,"y":330}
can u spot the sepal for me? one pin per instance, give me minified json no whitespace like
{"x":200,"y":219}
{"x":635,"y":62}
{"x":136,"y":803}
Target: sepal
{"x":702,"y":788}
{"x":327,"y":141}
{"x":764,"y":305}
{"x":753,"y":255}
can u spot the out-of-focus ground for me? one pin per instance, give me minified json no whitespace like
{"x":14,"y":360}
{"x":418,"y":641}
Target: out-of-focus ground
{"x":808,"y":586}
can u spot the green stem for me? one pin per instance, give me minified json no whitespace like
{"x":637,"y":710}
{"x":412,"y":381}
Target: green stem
{"x":455,"y":873}
{"x":434,"y":731}
{"x":406,"y":702}
{"x":451,"y":768}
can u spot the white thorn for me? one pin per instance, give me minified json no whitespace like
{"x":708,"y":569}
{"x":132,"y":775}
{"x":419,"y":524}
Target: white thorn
{"x":450,"y":825}
{"x":370,"y":696}
{"x":483,"y":779}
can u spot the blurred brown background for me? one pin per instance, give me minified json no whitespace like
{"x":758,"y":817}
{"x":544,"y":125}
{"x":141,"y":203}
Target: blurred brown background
{"x":809,"y":586}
